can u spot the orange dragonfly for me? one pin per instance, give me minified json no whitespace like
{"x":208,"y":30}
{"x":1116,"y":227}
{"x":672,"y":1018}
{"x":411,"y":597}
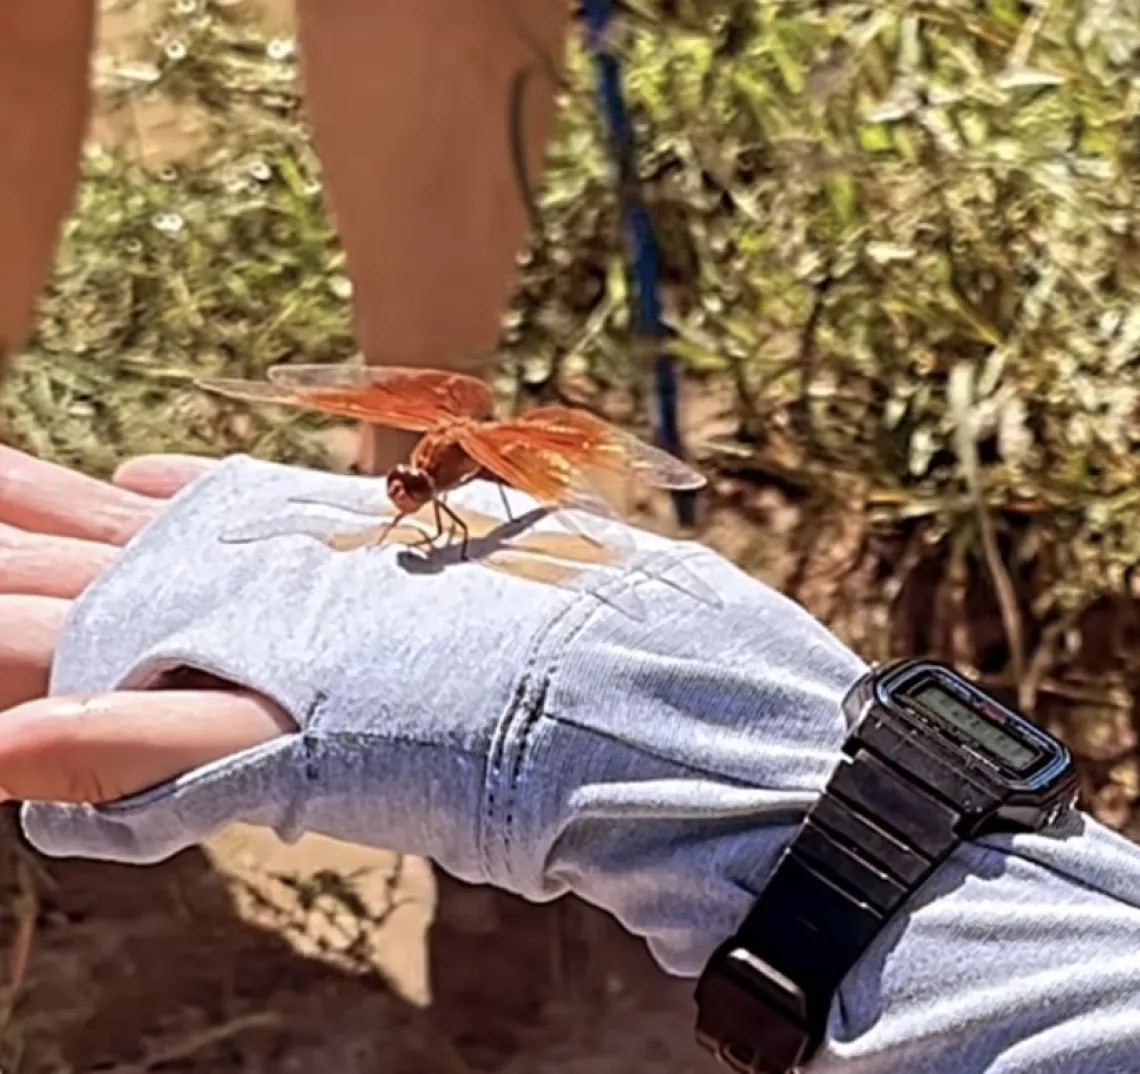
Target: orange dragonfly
{"x":557,"y":455}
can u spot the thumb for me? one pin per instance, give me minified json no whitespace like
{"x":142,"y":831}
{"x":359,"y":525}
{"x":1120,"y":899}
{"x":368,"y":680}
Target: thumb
{"x":161,"y":476}
{"x":100,"y":748}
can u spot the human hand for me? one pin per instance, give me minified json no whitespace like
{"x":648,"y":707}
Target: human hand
{"x":516,"y":733}
{"x":523,"y":736}
{"x":59,"y":531}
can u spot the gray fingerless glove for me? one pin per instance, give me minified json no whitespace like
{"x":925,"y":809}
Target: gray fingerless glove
{"x":515,"y":732}
{"x":544,"y":740}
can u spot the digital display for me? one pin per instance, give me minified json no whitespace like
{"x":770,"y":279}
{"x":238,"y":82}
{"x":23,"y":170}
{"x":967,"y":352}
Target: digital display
{"x":992,"y":739}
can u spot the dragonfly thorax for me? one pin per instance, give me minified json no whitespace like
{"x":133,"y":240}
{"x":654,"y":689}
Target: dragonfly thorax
{"x":409,"y":488}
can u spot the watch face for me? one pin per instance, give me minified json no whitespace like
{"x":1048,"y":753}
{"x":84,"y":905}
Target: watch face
{"x":972,"y":723}
{"x":939,"y":705}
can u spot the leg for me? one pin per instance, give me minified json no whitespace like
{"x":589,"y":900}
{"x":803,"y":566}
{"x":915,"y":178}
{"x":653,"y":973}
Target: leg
{"x":381,"y":535}
{"x":437,"y":507}
{"x":409,"y":103}
{"x":505,"y":501}
{"x":423,"y":539}
{"x":45,"y":50}
{"x":458,"y":526}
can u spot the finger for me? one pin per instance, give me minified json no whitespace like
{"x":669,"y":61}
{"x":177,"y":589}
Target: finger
{"x":29,"y":627}
{"x":100,"y":748}
{"x":35,"y":564}
{"x":41,"y":497}
{"x":161,"y":476}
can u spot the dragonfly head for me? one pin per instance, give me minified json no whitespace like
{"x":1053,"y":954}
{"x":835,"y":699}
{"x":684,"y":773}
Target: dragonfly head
{"x":409,"y":488}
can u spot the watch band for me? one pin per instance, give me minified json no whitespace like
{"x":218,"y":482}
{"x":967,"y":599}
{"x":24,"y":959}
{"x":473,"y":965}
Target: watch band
{"x":871,"y":839}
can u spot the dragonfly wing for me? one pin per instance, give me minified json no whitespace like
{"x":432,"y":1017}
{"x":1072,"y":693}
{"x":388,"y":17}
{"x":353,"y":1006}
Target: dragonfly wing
{"x":405,"y":398}
{"x":595,"y":444}
{"x":574,"y":503}
{"x":252,"y":391}
{"x":410,"y":414}
{"x":564,"y":575}
{"x":542,"y":472}
{"x":654,"y":466}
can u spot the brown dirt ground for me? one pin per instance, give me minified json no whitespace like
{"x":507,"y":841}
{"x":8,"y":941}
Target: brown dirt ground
{"x":209,"y":963}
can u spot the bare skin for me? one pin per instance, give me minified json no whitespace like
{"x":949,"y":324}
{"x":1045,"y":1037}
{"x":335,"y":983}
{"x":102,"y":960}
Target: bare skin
{"x":59,"y":531}
{"x":45,"y":51}
{"x":408,"y":103}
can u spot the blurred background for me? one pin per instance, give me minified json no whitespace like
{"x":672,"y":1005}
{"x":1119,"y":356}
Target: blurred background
{"x":902,"y":259}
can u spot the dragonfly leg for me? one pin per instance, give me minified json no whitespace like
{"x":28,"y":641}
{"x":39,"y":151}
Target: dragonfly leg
{"x":422,"y":538}
{"x":382,"y":533}
{"x":458,"y":526}
{"x":506,"y":502}
{"x":436,"y":505}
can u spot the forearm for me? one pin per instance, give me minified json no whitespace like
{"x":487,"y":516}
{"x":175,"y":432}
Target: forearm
{"x":409,"y":103}
{"x":45,"y":50}
{"x":545,"y":741}
{"x":1019,"y":956}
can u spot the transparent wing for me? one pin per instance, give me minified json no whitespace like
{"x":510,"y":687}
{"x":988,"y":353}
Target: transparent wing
{"x":577,"y":560}
{"x":566,"y":575}
{"x":591,"y":443}
{"x":252,"y":391}
{"x":411,"y":399}
{"x":546,"y":474}
{"x":560,"y":456}
{"x":436,"y":391}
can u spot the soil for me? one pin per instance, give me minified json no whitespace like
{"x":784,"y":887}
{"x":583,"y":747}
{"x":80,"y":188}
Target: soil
{"x":218,"y":961}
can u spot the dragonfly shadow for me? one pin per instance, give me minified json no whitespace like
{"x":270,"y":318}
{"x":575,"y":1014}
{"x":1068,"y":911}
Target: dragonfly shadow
{"x":478,"y":546}
{"x":576,"y":557}
{"x":566,"y":559}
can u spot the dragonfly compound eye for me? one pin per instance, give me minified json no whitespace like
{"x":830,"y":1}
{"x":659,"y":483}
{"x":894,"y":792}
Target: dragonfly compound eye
{"x":409,"y":489}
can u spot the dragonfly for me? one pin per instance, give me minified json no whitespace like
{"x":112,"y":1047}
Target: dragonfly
{"x":560,"y":456}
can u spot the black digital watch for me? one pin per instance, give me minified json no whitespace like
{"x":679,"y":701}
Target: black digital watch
{"x":930,"y":761}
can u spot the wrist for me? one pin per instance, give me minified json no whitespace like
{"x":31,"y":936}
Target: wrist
{"x":516,"y":733}
{"x":930,"y":761}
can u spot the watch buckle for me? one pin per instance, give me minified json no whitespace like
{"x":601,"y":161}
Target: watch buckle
{"x":750,"y":1016}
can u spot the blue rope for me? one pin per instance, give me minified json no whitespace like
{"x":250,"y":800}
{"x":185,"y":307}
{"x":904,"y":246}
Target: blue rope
{"x":648,"y":322}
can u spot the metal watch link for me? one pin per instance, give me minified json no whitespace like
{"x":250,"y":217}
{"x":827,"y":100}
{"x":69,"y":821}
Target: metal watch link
{"x":931,"y":761}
